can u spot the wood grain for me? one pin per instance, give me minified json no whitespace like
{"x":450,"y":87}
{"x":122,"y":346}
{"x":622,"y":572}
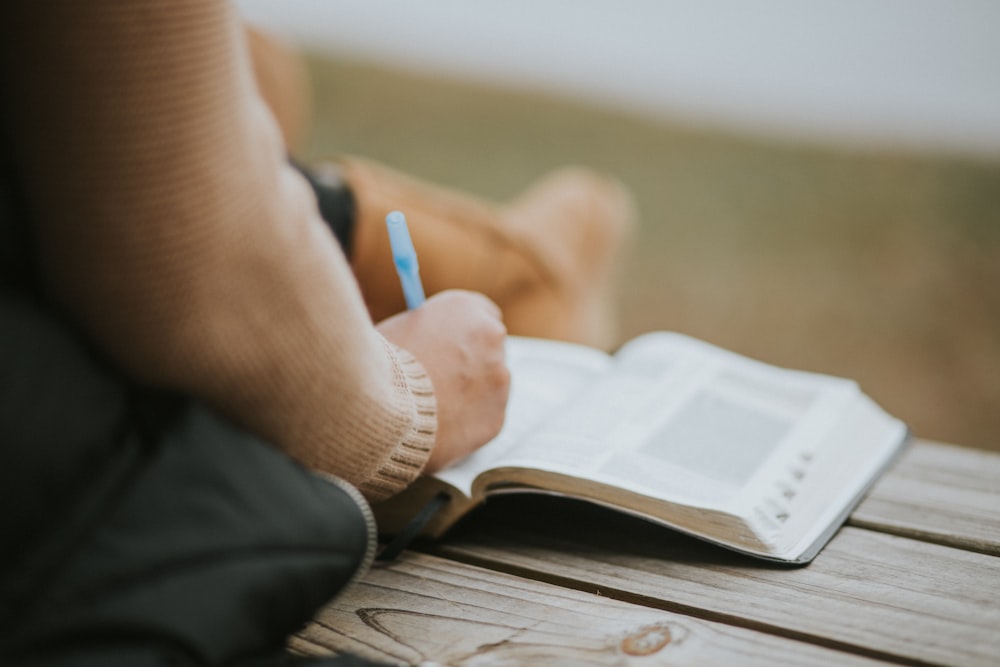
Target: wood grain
{"x":914,"y":579}
{"x":425,"y":610}
{"x":938,"y":493}
{"x":869,"y":592}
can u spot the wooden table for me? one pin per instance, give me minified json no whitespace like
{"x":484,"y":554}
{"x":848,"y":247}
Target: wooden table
{"x":913,"y":578}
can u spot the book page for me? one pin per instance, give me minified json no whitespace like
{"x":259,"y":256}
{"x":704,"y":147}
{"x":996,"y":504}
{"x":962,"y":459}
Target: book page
{"x":742,"y":425}
{"x":576,"y":439}
{"x":545,"y":375}
{"x":809,"y":495}
{"x":678,"y":419}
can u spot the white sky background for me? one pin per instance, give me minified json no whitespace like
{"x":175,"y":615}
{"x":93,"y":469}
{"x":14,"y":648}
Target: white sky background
{"x":922,"y":74}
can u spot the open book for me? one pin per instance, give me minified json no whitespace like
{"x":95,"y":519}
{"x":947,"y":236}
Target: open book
{"x":761,"y":459}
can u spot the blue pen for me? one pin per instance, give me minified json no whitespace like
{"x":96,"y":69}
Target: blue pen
{"x":405,"y":258}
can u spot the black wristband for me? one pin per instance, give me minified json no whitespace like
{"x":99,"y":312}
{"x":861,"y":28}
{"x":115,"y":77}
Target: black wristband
{"x":334,"y":198}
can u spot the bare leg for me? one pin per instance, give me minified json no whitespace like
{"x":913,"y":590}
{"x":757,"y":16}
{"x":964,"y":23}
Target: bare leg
{"x":547,"y":258}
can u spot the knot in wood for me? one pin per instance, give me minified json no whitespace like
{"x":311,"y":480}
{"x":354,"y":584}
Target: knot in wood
{"x":647,"y":640}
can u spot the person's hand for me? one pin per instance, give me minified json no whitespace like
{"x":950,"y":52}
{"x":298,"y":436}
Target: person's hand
{"x":458,"y":337}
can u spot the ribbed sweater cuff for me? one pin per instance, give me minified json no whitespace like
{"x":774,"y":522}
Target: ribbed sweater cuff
{"x":405,"y":463}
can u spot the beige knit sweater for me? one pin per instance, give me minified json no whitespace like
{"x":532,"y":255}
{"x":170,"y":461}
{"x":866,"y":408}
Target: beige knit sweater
{"x":170,"y":226}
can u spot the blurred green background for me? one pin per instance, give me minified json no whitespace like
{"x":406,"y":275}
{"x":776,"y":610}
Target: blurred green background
{"x":876,"y":266}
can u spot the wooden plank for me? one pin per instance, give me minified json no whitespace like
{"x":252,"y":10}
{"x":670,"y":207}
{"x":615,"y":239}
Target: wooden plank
{"x":425,"y":610}
{"x":938,"y":493}
{"x":880,"y":594}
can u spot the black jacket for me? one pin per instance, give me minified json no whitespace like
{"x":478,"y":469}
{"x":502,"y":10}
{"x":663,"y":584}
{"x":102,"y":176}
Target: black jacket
{"x":138,"y":527}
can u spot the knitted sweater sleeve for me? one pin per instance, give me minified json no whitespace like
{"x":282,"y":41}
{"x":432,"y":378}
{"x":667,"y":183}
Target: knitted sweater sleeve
{"x":169,"y":225}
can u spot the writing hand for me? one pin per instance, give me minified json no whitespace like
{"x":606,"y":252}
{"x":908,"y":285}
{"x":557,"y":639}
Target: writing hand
{"x":458,"y":337}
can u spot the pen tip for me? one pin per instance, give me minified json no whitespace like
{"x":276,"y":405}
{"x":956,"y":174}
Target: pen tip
{"x":395,"y":218}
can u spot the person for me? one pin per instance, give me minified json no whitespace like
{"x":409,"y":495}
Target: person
{"x":196,"y":403}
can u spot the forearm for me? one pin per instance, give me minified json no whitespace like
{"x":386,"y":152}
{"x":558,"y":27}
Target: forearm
{"x":169,"y":224}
